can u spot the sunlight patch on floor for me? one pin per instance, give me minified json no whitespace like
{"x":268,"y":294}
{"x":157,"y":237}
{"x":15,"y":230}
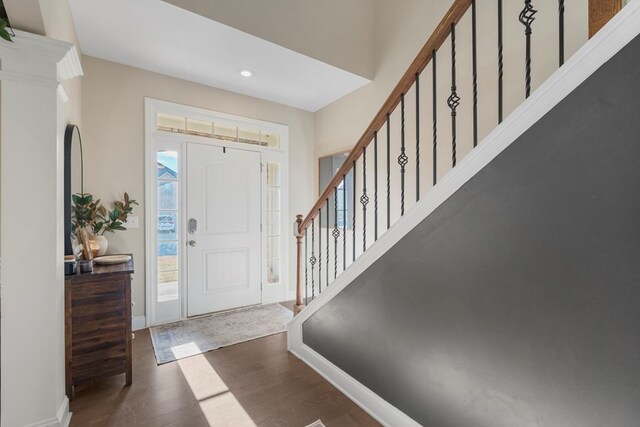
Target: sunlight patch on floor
{"x":218,"y":404}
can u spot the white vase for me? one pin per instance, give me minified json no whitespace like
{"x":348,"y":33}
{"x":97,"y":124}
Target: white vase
{"x":102,"y":243}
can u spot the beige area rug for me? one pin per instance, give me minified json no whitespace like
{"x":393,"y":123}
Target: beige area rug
{"x":195,"y":336}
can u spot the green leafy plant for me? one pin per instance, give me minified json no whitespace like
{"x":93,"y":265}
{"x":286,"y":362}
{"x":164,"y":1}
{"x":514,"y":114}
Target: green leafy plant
{"x":3,"y":30}
{"x":115,"y":219}
{"x":86,"y":212}
{"x":91,"y":214}
{"x":4,"y":24}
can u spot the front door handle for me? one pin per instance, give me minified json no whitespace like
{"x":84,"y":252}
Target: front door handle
{"x":193,"y":226}
{"x":192,"y":243}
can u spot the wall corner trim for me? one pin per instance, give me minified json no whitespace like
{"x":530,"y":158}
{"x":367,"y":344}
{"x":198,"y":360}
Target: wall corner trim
{"x":374,"y":405}
{"x":62,"y":418}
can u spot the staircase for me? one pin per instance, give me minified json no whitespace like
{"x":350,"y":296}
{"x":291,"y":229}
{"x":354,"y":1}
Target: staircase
{"x":465,"y":284}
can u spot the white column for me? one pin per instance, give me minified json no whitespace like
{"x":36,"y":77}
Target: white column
{"x":31,"y":237}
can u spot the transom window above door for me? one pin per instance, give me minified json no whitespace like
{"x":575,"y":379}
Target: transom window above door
{"x":217,"y":130}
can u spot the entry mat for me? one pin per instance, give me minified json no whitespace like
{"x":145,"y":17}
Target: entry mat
{"x":196,"y":336}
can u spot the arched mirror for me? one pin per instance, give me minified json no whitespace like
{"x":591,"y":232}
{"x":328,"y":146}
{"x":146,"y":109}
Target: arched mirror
{"x":73,"y":178}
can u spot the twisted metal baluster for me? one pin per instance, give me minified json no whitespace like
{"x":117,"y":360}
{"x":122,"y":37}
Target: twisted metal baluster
{"x":313,"y":258}
{"x":561,"y":32}
{"x":526,"y":18}
{"x":454,"y":100}
{"x":306,"y":268}
{"x":364,"y":199}
{"x":475,"y":72}
{"x":320,"y":250}
{"x":500,"y":63}
{"x":335,"y":233}
{"x":375,"y":185}
{"x":435,"y":119}
{"x":327,"y":270}
{"x":417,"y":137}
{"x":402,"y":158}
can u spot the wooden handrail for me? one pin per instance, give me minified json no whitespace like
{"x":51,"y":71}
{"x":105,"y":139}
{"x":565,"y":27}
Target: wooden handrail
{"x":442,"y":31}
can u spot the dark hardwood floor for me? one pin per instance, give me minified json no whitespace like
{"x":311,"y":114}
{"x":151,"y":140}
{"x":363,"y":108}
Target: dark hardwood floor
{"x":256,"y":383}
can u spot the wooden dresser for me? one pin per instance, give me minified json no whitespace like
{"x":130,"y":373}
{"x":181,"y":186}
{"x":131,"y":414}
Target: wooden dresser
{"x":98,"y":324}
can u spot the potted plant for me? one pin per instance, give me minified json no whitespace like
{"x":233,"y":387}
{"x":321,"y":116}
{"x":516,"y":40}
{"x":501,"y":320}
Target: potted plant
{"x":90,"y":214}
{"x":4,"y":24}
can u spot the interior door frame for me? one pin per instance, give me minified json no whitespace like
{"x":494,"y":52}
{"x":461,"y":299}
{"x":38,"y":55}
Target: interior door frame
{"x":154,"y":140}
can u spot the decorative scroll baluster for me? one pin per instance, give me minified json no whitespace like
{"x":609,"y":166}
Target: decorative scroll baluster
{"x":474,"y":72}
{"x":454,"y":100}
{"x":313,"y":258}
{"x":500,"y":63}
{"x":364,"y":199}
{"x":306,"y":267}
{"x":561,"y":32}
{"x":388,"y":171}
{"x":375,"y":186}
{"x":435,"y":118}
{"x":327,"y":270}
{"x":354,"y":210}
{"x":344,"y":222}
{"x":335,"y":233}
{"x":402,"y":158}
{"x":417,"y":137}
{"x":526,"y":18}
{"x":319,"y":250}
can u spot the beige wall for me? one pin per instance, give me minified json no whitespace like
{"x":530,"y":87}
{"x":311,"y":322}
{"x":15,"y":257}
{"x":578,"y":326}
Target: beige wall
{"x":400,"y":28}
{"x":113,"y":137}
{"x":337,"y":32}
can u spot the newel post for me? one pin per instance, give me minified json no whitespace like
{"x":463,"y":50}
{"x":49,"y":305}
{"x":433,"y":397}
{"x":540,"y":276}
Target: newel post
{"x":297,"y":232}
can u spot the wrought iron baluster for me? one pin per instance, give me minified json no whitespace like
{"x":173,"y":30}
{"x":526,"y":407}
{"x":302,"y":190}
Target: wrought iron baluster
{"x":313,"y":258}
{"x":344,"y":222}
{"x":388,"y":171}
{"x":327,"y":200}
{"x":526,"y":18}
{"x":475,"y":72}
{"x":335,"y":233}
{"x":561,"y":32}
{"x":375,"y":186}
{"x":402,"y":158}
{"x":435,"y":118}
{"x":306,"y":268}
{"x":320,"y":250}
{"x":417,"y":137}
{"x":500,"y":63}
{"x":454,"y":100}
{"x":354,"y":210}
{"x":364,"y":199}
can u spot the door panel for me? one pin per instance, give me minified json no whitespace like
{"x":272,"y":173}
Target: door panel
{"x":223,"y":196}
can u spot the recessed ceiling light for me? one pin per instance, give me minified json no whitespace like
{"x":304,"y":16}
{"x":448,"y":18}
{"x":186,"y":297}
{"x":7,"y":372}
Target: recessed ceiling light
{"x":246,"y":73}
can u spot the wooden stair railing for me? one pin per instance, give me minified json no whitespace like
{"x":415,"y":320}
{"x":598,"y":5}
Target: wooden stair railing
{"x":308,"y":280}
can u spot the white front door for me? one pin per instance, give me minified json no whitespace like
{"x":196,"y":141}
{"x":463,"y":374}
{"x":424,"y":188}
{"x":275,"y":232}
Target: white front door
{"x":223,"y":228}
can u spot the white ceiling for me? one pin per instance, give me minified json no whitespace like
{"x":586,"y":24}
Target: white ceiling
{"x":159,"y":37}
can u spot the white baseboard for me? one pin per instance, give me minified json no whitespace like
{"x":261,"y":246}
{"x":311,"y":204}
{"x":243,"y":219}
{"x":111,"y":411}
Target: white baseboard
{"x":138,"y":322}
{"x":62,"y":418}
{"x":383,"y":412}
